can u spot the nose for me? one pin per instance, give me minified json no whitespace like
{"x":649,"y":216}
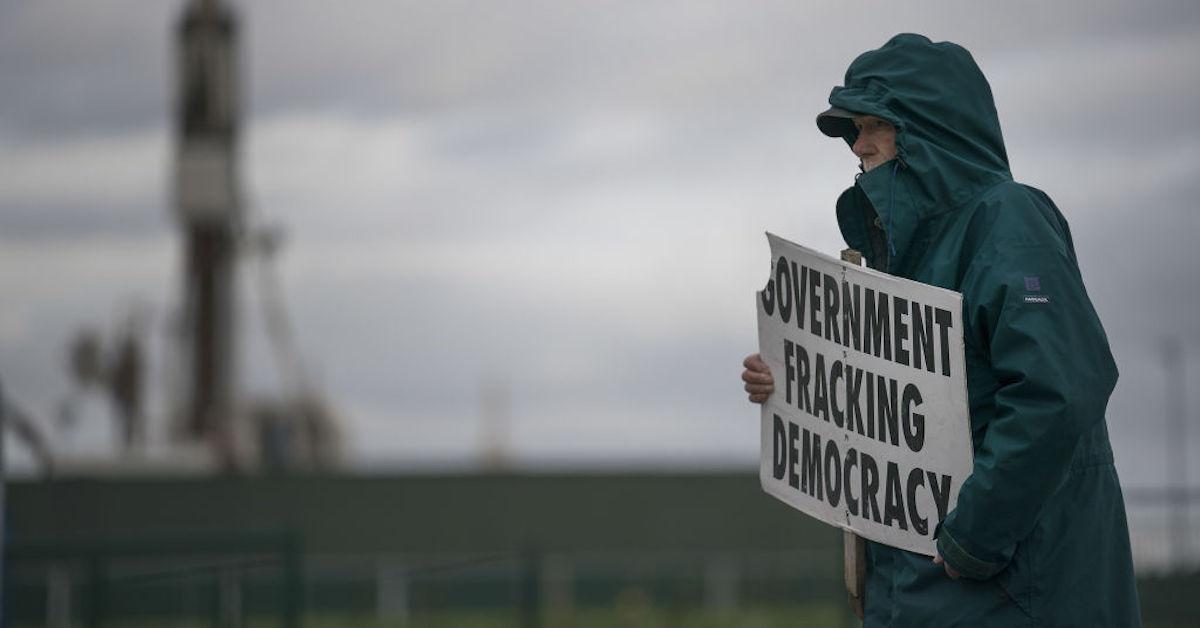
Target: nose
{"x":861,"y":147}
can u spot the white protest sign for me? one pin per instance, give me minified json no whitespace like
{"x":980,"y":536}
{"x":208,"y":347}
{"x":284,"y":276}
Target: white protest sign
{"x":868,"y":426}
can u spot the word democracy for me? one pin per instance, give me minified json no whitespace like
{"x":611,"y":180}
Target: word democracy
{"x":855,"y":477}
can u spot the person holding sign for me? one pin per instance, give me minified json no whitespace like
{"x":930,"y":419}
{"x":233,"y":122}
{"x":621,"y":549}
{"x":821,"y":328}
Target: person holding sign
{"x":1038,"y":534}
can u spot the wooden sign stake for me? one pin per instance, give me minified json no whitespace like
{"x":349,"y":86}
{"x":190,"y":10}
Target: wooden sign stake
{"x":853,"y":545}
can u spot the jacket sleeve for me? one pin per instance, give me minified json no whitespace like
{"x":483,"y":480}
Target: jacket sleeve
{"x":1026,"y":307}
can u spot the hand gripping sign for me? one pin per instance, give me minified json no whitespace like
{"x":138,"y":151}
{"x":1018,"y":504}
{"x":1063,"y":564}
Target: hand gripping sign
{"x":868,"y":427}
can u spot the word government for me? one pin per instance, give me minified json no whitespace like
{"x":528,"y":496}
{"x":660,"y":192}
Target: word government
{"x":863,"y":319}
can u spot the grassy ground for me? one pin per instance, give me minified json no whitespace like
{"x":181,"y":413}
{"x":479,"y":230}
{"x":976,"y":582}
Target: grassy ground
{"x":775,"y":617}
{"x":634,"y":617}
{"x":625,"y":616}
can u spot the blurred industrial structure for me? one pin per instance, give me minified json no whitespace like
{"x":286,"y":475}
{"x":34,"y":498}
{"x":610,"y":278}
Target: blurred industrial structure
{"x":299,"y":430}
{"x":213,"y":426}
{"x":210,"y":216}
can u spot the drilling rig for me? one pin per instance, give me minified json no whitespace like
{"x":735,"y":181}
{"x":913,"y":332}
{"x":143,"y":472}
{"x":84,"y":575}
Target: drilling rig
{"x":208,"y":208}
{"x":299,"y":429}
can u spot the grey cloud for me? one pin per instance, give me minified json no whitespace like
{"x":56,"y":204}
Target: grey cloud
{"x":70,"y":67}
{"x":53,"y":222}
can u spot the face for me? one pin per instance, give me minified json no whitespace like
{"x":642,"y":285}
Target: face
{"x":876,"y":141}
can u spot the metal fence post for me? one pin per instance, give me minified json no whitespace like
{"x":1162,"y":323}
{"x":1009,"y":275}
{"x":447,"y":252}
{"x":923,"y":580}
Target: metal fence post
{"x":531,"y":588}
{"x":293,"y":581}
{"x":96,"y":592}
{"x":3,"y":514}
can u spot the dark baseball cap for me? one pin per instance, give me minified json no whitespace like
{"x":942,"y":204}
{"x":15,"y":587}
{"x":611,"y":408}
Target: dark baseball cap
{"x":836,"y":122}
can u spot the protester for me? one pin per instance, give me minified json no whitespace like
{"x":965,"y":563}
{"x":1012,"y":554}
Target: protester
{"x":1038,"y":536}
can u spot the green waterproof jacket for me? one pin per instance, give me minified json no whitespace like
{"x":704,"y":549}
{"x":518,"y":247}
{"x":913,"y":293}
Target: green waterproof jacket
{"x":1039,"y":531}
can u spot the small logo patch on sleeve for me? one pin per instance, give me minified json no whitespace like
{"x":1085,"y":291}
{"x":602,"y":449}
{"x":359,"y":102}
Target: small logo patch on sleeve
{"x":1036,"y":298}
{"x":1033,"y":284}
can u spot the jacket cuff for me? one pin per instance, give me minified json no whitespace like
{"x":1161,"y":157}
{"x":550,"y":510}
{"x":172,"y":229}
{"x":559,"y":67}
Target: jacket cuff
{"x":961,"y":560}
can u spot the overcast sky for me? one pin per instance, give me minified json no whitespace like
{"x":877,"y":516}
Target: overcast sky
{"x":564,"y":201}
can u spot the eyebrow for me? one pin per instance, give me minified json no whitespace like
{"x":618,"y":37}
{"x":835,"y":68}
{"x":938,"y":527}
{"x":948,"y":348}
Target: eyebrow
{"x":872,"y":120}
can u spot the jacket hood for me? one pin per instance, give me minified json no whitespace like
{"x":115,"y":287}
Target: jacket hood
{"x":948,"y":140}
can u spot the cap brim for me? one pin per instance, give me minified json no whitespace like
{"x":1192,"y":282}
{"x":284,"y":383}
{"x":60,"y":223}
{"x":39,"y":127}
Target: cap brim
{"x":836,"y":122}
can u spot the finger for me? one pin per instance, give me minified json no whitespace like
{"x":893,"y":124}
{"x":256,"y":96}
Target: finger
{"x":759,"y":389}
{"x":756,"y":363}
{"x":938,"y":560}
{"x":758,"y":398}
{"x":751,"y":377}
{"x":951,"y":572}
